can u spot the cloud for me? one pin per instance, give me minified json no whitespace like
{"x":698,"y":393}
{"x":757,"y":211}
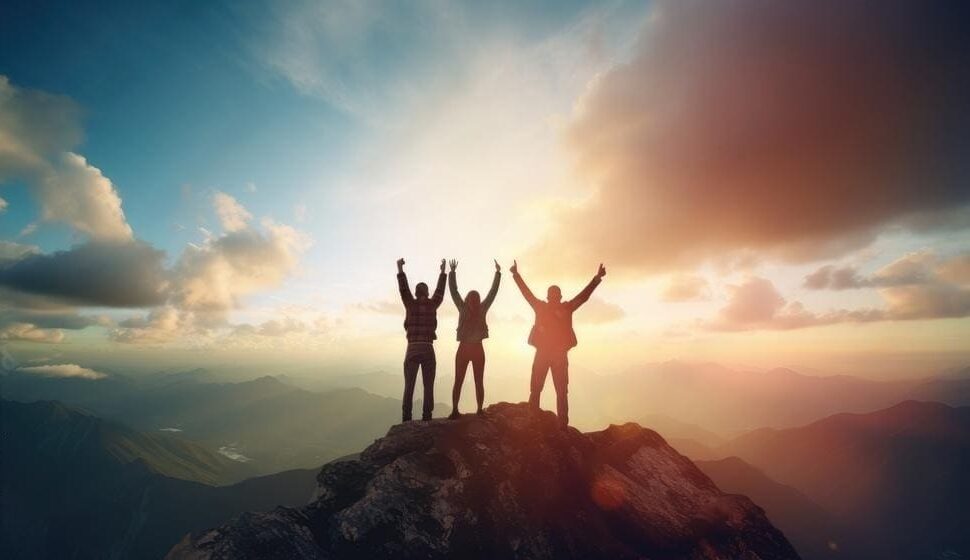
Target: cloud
{"x":160,"y":325}
{"x":34,"y":126}
{"x":232,"y":215}
{"x":63,"y":370}
{"x":213,"y":277}
{"x":57,"y":318}
{"x":384,"y":307}
{"x":685,"y":287}
{"x":38,"y":132}
{"x":77,"y":194}
{"x":796,"y":129}
{"x":829,"y":277}
{"x":916,"y":286}
{"x":756,"y":304}
{"x":917,"y":268}
{"x":127,"y":274}
{"x":599,"y":311}
{"x":30,"y":333}
{"x":11,"y":251}
{"x":3,"y":205}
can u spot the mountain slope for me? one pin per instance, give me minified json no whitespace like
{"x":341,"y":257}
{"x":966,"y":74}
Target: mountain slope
{"x":898,"y":478}
{"x":77,"y":486}
{"x":507,"y":485}
{"x":813,"y":531}
{"x":272,"y":425}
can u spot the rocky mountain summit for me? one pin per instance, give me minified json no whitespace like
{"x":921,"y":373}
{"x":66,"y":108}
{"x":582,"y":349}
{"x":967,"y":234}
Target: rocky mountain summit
{"x":510,"y":484}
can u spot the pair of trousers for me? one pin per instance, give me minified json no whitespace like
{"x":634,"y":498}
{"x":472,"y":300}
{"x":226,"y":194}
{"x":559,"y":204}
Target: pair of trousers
{"x":418,"y":356}
{"x":558,"y":362}
{"x":474,"y":353}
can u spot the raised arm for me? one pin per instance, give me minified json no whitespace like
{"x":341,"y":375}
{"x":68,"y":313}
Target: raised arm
{"x":583,"y":296}
{"x":453,"y":285}
{"x":439,"y":290}
{"x":402,"y":284}
{"x":493,"y":291}
{"x":526,"y":292}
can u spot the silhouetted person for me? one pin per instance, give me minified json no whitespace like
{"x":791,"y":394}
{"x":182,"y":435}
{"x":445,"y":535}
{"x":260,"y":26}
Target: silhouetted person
{"x":472,"y":329}
{"x":553,"y":337}
{"x":420,"y":323}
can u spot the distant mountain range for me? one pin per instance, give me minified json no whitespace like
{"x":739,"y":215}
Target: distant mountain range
{"x":729,"y":401}
{"x":893,"y":483}
{"x":269,"y":424}
{"x":77,"y":486}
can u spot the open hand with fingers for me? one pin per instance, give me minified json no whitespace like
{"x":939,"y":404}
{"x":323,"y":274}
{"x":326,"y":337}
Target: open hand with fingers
{"x":454,"y":264}
{"x":601,"y":272}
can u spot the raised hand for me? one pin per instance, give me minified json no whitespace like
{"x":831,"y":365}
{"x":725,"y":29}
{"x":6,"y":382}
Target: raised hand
{"x":601,"y":272}
{"x":442,"y":266}
{"x":514,"y":269}
{"x":400,"y":265}
{"x":454,"y":264}
{"x":497,"y":267}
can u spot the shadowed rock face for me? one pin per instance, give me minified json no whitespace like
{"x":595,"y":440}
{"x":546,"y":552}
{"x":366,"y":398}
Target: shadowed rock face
{"x":507,"y":485}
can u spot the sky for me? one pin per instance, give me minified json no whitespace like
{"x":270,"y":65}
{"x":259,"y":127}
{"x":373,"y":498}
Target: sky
{"x":229,"y":184}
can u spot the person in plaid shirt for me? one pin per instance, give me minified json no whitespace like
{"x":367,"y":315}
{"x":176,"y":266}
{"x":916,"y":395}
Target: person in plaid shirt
{"x":420,"y":323}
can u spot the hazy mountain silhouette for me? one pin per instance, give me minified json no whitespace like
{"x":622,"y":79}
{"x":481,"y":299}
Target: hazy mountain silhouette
{"x":511,"y":484}
{"x":729,"y":401}
{"x":275,"y":425}
{"x":77,"y":486}
{"x":897,"y":478}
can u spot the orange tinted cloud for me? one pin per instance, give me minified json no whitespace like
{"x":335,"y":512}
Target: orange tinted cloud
{"x":796,"y":129}
{"x":685,"y":287}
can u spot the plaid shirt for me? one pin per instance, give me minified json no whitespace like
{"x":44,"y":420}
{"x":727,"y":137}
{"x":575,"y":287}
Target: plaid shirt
{"x":421,"y":317}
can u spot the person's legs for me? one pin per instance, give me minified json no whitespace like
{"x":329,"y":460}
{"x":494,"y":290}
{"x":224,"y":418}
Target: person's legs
{"x":478,"y":367}
{"x":560,"y":379}
{"x":540,"y":367}
{"x":461,"y":366}
{"x":428,"y":365}
{"x":410,"y":376}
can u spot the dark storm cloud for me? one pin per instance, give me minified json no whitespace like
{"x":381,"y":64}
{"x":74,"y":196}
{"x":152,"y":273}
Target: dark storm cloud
{"x":129,"y":274}
{"x":797,"y":129}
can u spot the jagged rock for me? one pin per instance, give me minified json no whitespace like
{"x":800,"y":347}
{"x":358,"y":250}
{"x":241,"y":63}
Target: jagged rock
{"x":510,"y":484}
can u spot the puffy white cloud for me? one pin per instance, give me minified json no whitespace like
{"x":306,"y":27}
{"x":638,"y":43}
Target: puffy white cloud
{"x":63,"y":370}
{"x":796,"y":129}
{"x":77,"y":193}
{"x":211,"y":278}
{"x":232,"y":215}
{"x":38,"y":132}
{"x":3,"y":205}
{"x":160,"y":325}
{"x":30,"y":333}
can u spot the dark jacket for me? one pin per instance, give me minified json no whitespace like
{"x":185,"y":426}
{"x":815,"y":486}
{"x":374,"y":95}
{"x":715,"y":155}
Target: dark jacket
{"x":469,"y":329}
{"x":421,"y":314}
{"x":553,"y":329}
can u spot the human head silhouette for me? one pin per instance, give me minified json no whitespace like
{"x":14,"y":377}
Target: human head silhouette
{"x":421,"y":290}
{"x":554,"y":294}
{"x":473,"y":300}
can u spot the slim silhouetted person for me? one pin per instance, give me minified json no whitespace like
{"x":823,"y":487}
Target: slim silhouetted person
{"x":553,"y":336}
{"x":420,"y":323}
{"x":472,"y":330}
